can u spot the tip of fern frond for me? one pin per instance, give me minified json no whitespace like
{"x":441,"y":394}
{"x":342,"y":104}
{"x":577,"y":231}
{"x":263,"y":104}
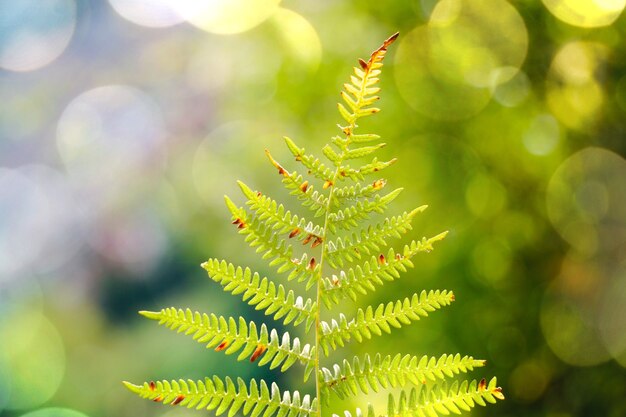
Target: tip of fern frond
{"x":132,"y":387}
{"x":440,"y":236}
{"x":418,"y":210}
{"x":392,"y":38}
{"x":151,"y":314}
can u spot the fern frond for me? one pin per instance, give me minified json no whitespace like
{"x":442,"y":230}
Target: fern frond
{"x":222,"y":395}
{"x":230,"y":335}
{"x":262,"y":293}
{"x":362,"y":278}
{"x":359,"y":94}
{"x":350,"y":248}
{"x":381,"y":319}
{"x":274,"y":215}
{"x":312,"y":164}
{"x":347,"y":379}
{"x":372,"y":167}
{"x":357,"y":191}
{"x":426,"y":401}
{"x":350,"y":217}
{"x":274,"y":248}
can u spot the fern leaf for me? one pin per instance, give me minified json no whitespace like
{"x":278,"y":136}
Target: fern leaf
{"x":370,"y":320}
{"x":370,"y":412}
{"x":222,"y":395}
{"x":357,"y":191}
{"x":358,"y":94}
{"x":350,"y":248}
{"x":359,"y":174}
{"x":439,"y":400}
{"x":280,"y":220}
{"x":362,"y":278}
{"x":262,"y":293}
{"x":314,"y":165}
{"x":383,"y":372}
{"x":230,"y":335}
{"x":350,"y":217}
{"x":274,"y":248}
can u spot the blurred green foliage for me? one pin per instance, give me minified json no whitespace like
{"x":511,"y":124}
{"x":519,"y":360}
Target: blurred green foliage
{"x":122,"y":125}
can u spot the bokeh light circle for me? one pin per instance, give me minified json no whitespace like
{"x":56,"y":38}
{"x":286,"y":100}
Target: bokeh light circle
{"x":586,"y":13}
{"x":150,"y":13}
{"x":427,"y":94}
{"x":32,"y":356}
{"x":109,"y":135}
{"x":226,"y":16}
{"x":466,"y":41}
{"x":296,"y":31}
{"x":574,"y":94}
{"x":33,"y":33}
{"x":54,"y":412}
{"x":542,"y":136}
{"x":586,"y":200}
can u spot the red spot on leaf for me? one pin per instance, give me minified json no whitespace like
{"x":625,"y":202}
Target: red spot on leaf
{"x":178,"y":399}
{"x":260,"y":349}
{"x":381,"y":259}
{"x":222,"y":346}
{"x":316,"y":242}
{"x":482,"y":385}
{"x":152,"y":386}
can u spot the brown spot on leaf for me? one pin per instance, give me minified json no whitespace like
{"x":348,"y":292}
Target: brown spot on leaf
{"x":378,"y":184}
{"x":497,"y":392}
{"x":304,"y":186}
{"x":152,"y":386}
{"x":482,"y":385}
{"x":335,"y":280}
{"x":312,"y":263}
{"x":222,"y":346}
{"x":260,"y":349}
{"x":178,"y":399}
{"x":316,"y":242}
{"x":327,"y":183}
{"x":363,"y":64}
{"x":294,"y":232}
{"x":381,"y":259}
{"x":452,"y":297}
{"x":398,"y":257}
{"x":158,"y":399}
{"x":307,"y":239}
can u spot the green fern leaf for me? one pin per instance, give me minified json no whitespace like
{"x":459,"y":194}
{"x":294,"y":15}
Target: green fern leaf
{"x":223,"y":395}
{"x":350,"y":248}
{"x":351,"y":217}
{"x":230,"y":335}
{"x":383,"y":372}
{"x":370,"y":320}
{"x":261,"y":236}
{"x":262,"y":293}
{"x":362,"y":278}
{"x":358,"y":413}
{"x":439,"y":400}
{"x":281,"y":220}
{"x":313,"y":165}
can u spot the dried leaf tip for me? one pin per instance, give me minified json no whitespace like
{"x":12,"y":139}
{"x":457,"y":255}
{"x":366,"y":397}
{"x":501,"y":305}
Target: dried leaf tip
{"x":363,"y":64}
{"x":281,"y":170}
{"x":294,"y":232}
{"x":391,"y":39}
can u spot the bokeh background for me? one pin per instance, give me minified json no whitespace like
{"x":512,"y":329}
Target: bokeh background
{"x":123,"y":122}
